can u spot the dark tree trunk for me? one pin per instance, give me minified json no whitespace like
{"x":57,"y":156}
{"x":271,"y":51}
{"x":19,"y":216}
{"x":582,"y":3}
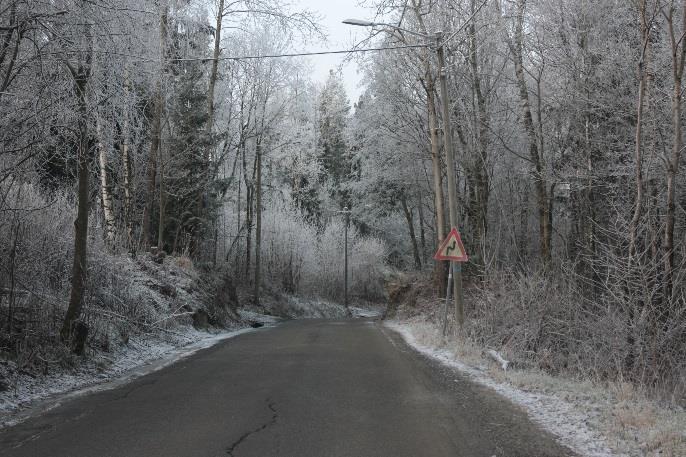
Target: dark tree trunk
{"x":516,"y":46}
{"x":258,"y":221}
{"x":481,"y":184}
{"x":80,"y":268}
{"x":155,"y":136}
{"x":407,"y":211}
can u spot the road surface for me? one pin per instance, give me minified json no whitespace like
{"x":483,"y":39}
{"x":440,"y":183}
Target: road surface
{"x":315,"y":388}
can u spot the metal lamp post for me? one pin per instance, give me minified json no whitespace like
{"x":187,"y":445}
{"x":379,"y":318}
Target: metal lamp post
{"x":345,"y":282}
{"x":347,"y":212}
{"x":438,"y":46}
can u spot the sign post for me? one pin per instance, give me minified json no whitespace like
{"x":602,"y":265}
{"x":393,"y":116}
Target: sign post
{"x":446,"y":305}
{"x":452,"y":250}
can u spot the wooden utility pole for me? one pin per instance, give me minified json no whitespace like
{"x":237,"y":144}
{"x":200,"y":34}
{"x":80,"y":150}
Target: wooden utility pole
{"x":450,"y":174}
{"x":345,"y":281}
{"x":156,"y":133}
{"x":346,"y":211}
{"x":215,"y":64}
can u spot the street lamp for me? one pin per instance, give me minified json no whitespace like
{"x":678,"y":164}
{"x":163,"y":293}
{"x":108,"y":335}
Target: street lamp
{"x":363,"y":23}
{"x":455,"y":269}
{"x":359,"y":22}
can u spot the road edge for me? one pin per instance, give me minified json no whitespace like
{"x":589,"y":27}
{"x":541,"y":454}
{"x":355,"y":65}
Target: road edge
{"x":42,"y":404}
{"x":552,"y":414}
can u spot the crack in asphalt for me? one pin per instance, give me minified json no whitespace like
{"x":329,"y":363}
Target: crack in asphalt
{"x":38,"y":431}
{"x":134,"y":388}
{"x":271,"y":405}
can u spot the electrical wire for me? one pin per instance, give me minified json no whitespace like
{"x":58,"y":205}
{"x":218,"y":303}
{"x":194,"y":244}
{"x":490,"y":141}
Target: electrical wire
{"x":301,"y":54}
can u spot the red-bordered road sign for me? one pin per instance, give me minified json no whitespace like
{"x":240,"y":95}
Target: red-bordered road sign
{"x":452,"y":248}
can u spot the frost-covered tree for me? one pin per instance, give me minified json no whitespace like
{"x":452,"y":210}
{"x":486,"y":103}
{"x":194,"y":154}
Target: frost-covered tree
{"x":334,"y":153}
{"x":187,"y":187}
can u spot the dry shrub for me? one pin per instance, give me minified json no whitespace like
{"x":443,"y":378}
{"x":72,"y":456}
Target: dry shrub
{"x":666,"y":443}
{"x":35,"y":266}
{"x":548,"y":321}
{"x":656,"y":428}
{"x":184,"y":262}
{"x":411,"y":295}
{"x":528,"y":316}
{"x":123,"y":297}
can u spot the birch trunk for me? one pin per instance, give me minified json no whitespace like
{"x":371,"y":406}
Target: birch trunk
{"x":516,"y":46}
{"x":163,"y":198}
{"x":420,"y":212}
{"x":151,"y":182}
{"x":105,"y":190}
{"x":127,"y":169}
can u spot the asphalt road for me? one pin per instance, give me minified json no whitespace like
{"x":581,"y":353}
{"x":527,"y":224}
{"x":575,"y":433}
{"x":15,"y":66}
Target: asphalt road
{"x":319,"y":388}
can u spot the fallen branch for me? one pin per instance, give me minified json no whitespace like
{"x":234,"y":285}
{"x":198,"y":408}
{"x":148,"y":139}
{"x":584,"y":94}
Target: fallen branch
{"x":498,"y":359}
{"x":138,"y":323}
{"x":173,"y":316}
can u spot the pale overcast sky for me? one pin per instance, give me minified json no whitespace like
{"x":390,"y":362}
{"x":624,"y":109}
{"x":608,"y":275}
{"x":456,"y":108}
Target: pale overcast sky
{"x":341,"y":36}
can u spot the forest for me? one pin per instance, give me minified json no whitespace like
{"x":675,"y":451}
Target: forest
{"x":133,"y":130}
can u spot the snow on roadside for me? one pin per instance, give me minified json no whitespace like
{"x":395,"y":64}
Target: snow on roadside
{"x":366,"y":312}
{"x":554,"y":414}
{"x":287,"y":306}
{"x":31,"y":395}
{"x":254,"y":316}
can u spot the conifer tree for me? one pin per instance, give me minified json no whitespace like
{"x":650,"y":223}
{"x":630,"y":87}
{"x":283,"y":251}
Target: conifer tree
{"x":334,"y":153}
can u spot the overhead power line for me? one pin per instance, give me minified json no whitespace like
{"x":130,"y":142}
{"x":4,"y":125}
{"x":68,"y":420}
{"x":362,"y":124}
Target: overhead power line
{"x":303,"y":54}
{"x":238,"y":58}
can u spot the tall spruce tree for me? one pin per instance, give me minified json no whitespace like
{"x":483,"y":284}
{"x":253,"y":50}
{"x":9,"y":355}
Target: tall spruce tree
{"x":334,"y":153}
{"x":188,"y":194}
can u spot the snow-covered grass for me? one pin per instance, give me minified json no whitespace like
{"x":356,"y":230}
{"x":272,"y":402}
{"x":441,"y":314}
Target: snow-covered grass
{"x":32,"y":393}
{"x":594,"y":420}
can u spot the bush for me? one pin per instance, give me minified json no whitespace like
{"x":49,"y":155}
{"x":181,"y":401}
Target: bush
{"x":123,"y":297}
{"x":547,"y":320}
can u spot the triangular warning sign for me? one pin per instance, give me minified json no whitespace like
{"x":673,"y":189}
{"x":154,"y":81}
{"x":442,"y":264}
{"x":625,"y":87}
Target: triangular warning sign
{"x":452,"y":248}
